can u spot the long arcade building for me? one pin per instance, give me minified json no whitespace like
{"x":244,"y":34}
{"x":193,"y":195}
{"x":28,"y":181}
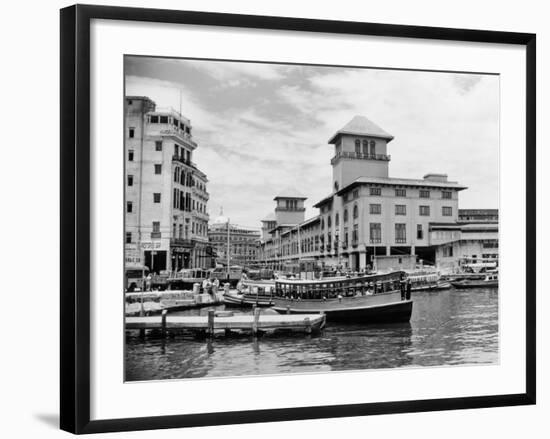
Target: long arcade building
{"x":369,"y":214}
{"x":166,"y":221}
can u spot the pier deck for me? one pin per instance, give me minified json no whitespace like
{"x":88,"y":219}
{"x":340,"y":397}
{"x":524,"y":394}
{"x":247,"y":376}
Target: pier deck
{"x":250,"y":323}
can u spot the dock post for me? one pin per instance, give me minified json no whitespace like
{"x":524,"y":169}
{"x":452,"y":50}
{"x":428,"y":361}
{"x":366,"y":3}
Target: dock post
{"x":308,"y":325}
{"x":210,"y":330}
{"x":226,"y":288}
{"x":255,"y":321}
{"x":288,"y":309}
{"x":163,"y":322}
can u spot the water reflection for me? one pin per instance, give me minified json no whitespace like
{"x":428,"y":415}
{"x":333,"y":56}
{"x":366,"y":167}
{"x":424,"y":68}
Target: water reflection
{"x":446,"y":328}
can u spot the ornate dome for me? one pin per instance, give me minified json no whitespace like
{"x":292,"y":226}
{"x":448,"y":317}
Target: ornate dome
{"x":221,"y":219}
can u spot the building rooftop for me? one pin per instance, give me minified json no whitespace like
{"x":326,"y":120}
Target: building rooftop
{"x":269,"y":217}
{"x":403,"y":182}
{"x":290,"y":192}
{"x":361,"y":126}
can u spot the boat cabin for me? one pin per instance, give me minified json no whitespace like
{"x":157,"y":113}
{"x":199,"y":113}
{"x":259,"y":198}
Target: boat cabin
{"x":336,"y":288}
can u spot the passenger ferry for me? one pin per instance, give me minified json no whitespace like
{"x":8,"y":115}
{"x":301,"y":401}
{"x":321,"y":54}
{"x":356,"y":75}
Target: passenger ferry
{"x":231,"y":276}
{"x":186,"y":278}
{"x":362,"y":299}
{"x":426,"y":280}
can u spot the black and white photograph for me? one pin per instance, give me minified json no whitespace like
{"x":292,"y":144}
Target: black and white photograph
{"x":295,"y":218}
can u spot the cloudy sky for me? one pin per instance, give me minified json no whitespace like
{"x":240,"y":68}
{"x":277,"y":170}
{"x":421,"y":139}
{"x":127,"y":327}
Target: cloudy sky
{"x":264,"y":127}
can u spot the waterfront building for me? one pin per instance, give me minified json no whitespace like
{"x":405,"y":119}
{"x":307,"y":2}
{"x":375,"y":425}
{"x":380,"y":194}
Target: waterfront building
{"x":370,"y":214}
{"x":166,"y":219}
{"x":243,"y":242}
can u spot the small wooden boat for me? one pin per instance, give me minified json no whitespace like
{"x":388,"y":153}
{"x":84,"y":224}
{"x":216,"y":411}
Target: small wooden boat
{"x":490,"y":281}
{"x":251,"y":293}
{"x":362,"y":299}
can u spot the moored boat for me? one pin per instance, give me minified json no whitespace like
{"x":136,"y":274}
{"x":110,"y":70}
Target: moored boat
{"x":361,"y":299}
{"x":252,"y":293}
{"x":427,"y":280}
{"x":490,"y":281}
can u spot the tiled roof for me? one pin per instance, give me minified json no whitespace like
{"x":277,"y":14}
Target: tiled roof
{"x":362,"y":126}
{"x":290,"y":192}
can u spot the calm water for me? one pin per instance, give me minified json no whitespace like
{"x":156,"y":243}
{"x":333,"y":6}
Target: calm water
{"x":447,"y":328}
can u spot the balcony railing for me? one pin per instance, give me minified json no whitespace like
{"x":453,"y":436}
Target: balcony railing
{"x":400,"y":240}
{"x":156,"y":235}
{"x":184,"y":242}
{"x":375,"y":240}
{"x":180,"y":159}
{"x":357,"y":155}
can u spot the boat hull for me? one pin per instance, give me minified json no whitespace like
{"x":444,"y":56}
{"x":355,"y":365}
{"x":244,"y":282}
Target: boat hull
{"x":244,"y":301}
{"x":395,"y":312}
{"x":474,"y":284}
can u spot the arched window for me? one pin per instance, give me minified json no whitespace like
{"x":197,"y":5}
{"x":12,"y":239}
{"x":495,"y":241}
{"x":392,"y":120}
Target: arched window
{"x":336,"y":220}
{"x":322,"y":223}
{"x":355,"y":212}
{"x":345,"y":215}
{"x":365,"y":147}
{"x":329,"y":221}
{"x":176,"y":174}
{"x":372,"y":147}
{"x":357,"y":146}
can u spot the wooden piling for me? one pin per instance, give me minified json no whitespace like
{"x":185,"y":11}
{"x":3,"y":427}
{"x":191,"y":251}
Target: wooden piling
{"x":163,"y":323}
{"x":210,"y":330}
{"x":288,"y":309}
{"x":308,"y":325}
{"x":255,"y":321}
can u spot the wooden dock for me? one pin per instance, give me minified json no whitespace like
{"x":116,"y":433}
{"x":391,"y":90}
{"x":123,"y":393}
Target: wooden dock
{"x":226,"y":322}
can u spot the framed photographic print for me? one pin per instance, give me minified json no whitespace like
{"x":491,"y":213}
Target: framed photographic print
{"x":340,"y":214}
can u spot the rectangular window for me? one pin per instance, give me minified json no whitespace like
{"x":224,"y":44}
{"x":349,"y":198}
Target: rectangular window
{"x":356,"y":193}
{"x":400,"y":233}
{"x":447,"y":195}
{"x":154,"y":119}
{"x":419,"y":232}
{"x":128,"y":237}
{"x":156,"y":226}
{"x":424,"y":210}
{"x":130,"y":180}
{"x":158,"y":169}
{"x":375,"y":191}
{"x":399,"y":192}
{"x":424,"y":193}
{"x":131,"y":155}
{"x":447,"y":211}
{"x":156,"y":197}
{"x":375,"y":209}
{"x":176,"y":149}
{"x":375,"y":233}
{"x":131,"y":133}
{"x":163,"y":119}
{"x":158,"y":145}
{"x":400,"y":209}
{"x":129,"y":206}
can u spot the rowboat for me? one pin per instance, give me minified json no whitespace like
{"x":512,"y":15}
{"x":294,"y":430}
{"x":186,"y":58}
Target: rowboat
{"x":490,"y":281}
{"x":361,"y":299}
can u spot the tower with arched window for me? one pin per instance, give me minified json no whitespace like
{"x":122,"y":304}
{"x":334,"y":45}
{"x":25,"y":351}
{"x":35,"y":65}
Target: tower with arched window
{"x":360,"y":150}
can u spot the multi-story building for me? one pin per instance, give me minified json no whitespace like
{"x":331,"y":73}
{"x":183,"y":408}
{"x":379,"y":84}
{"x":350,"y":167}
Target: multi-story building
{"x":243,"y":242}
{"x":166,"y":221}
{"x":370,"y":214}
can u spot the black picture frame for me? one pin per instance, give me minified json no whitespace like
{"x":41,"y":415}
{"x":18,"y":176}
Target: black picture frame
{"x":75,"y":217}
